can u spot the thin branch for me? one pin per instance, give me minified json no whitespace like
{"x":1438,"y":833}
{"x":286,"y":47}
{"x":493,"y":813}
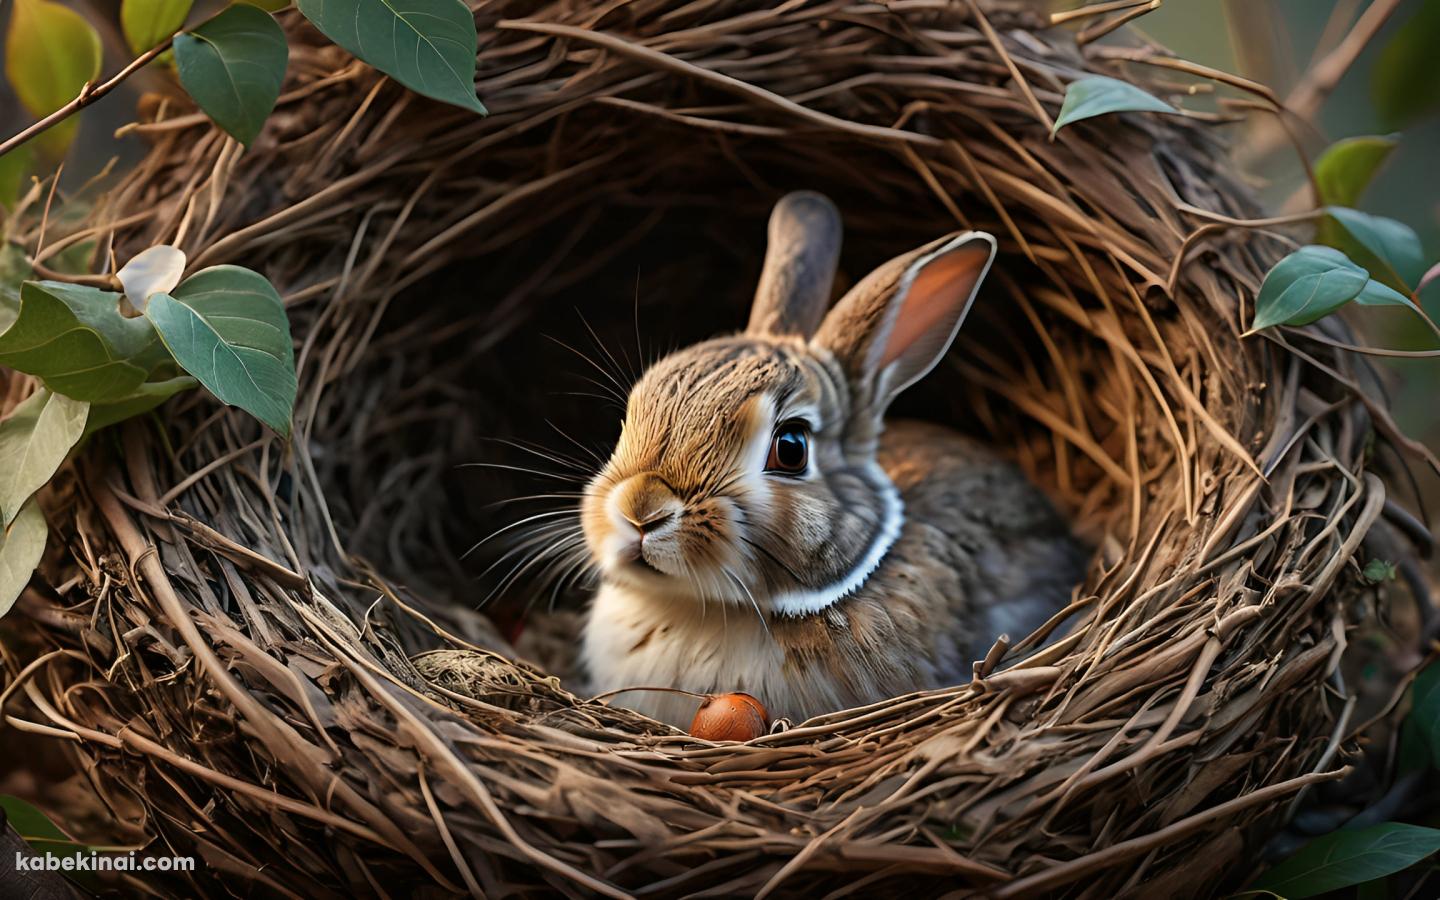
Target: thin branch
{"x":1368,"y":351}
{"x":1322,"y":77}
{"x":1097,"y":9}
{"x":88,"y":95}
{"x":1100,"y":29}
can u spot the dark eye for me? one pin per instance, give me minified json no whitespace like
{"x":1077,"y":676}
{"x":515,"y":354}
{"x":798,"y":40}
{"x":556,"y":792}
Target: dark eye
{"x":789,"y":449}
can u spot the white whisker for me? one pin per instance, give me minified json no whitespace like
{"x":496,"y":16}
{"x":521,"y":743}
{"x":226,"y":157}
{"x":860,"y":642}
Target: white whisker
{"x":499,"y":531}
{"x":753,"y":602}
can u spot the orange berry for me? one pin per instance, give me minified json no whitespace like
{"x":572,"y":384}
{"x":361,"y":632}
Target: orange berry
{"x":730,"y":717}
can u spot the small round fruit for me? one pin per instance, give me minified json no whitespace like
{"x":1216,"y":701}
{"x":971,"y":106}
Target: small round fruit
{"x":730,"y":717}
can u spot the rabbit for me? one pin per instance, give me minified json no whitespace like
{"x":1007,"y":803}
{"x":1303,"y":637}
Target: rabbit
{"x":760,"y":527}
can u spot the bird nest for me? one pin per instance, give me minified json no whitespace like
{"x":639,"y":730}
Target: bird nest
{"x":232,"y":638}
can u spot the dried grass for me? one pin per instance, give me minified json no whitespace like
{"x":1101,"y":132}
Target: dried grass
{"x":226,"y":650}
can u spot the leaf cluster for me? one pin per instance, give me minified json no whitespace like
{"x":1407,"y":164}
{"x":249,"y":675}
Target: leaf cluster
{"x":223,"y":327}
{"x":232,"y":64}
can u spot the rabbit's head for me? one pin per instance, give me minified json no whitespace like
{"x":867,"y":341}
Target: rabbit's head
{"x":745,"y":471}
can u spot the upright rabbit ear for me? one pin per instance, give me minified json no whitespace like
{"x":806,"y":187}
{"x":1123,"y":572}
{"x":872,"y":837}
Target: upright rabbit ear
{"x":800,"y":262}
{"x":894,"y":326}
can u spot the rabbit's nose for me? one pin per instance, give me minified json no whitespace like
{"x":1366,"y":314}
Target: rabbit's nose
{"x":652,"y":523}
{"x":647,"y":504}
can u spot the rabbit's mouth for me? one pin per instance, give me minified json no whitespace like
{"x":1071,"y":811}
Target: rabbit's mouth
{"x":627,"y":558}
{"x":644,"y":564}
{"x":666,"y":570}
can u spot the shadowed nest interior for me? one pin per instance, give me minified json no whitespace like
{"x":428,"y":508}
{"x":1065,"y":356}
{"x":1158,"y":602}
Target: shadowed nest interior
{"x":226,"y":648}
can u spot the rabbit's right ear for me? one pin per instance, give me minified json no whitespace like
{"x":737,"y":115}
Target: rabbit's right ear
{"x":800,"y":261}
{"x":894,"y":326}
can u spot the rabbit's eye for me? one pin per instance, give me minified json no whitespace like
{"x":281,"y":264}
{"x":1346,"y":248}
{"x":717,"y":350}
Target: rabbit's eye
{"x":789,"y":449}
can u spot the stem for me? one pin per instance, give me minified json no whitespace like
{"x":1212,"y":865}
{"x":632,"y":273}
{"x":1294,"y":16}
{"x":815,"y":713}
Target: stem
{"x":88,"y":95}
{"x":663,"y":690}
{"x":1370,"y":351}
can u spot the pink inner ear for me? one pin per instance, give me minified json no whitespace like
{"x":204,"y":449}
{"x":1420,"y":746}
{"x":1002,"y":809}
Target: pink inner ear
{"x":936,"y":298}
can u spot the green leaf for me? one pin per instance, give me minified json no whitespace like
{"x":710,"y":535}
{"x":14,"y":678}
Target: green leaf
{"x":145,"y":398}
{"x":1388,"y":246}
{"x":30,"y":823}
{"x":1377,"y":571}
{"x":1425,"y":709}
{"x":1347,"y":166}
{"x":14,"y":269}
{"x":44,"y":836}
{"x":226,"y":326}
{"x":1403,"y":86}
{"x":34,"y":440}
{"x":1376,"y":294}
{"x":149,"y":22}
{"x":233,"y":66}
{"x":1372,"y":890}
{"x":427,"y":45}
{"x":1414,"y":755}
{"x":50,"y":53}
{"x":15,"y":166}
{"x":1097,"y":95}
{"x":21,"y":546}
{"x":1305,"y":286}
{"x":1348,"y":857}
{"x":75,"y":340}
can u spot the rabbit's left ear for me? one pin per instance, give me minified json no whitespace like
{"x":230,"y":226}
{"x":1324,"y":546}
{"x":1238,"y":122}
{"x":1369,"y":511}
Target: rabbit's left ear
{"x":896,"y":324}
{"x":800,"y":261}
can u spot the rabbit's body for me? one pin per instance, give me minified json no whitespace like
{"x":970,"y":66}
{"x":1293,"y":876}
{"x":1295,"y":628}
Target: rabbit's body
{"x":760,"y":528}
{"x":981,"y":552}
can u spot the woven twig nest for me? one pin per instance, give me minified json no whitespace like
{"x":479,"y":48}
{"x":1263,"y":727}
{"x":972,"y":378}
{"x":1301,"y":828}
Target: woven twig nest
{"x":236,"y":616}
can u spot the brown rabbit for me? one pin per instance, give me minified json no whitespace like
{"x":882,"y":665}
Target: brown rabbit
{"x":760,"y":527}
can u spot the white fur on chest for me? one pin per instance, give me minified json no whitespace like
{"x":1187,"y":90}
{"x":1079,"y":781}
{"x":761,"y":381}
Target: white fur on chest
{"x":638,"y":640}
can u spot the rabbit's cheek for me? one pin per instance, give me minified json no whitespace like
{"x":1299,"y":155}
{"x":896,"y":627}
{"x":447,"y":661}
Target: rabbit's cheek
{"x":707,"y":538}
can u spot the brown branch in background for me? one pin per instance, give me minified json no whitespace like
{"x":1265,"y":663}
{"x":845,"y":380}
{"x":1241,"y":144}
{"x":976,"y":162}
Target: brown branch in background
{"x":88,"y":95}
{"x":1336,"y":27}
{"x":1321,"y":78}
{"x":1260,"y":43}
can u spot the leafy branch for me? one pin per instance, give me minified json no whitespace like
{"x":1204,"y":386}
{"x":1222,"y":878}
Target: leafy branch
{"x":232,"y":64}
{"x":223,"y":327}
{"x":1358,"y":257}
{"x":89,"y":93}
{"x":102,"y":356}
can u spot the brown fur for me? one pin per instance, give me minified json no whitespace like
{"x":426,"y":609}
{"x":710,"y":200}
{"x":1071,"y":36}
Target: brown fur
{"x":812,"y":590}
